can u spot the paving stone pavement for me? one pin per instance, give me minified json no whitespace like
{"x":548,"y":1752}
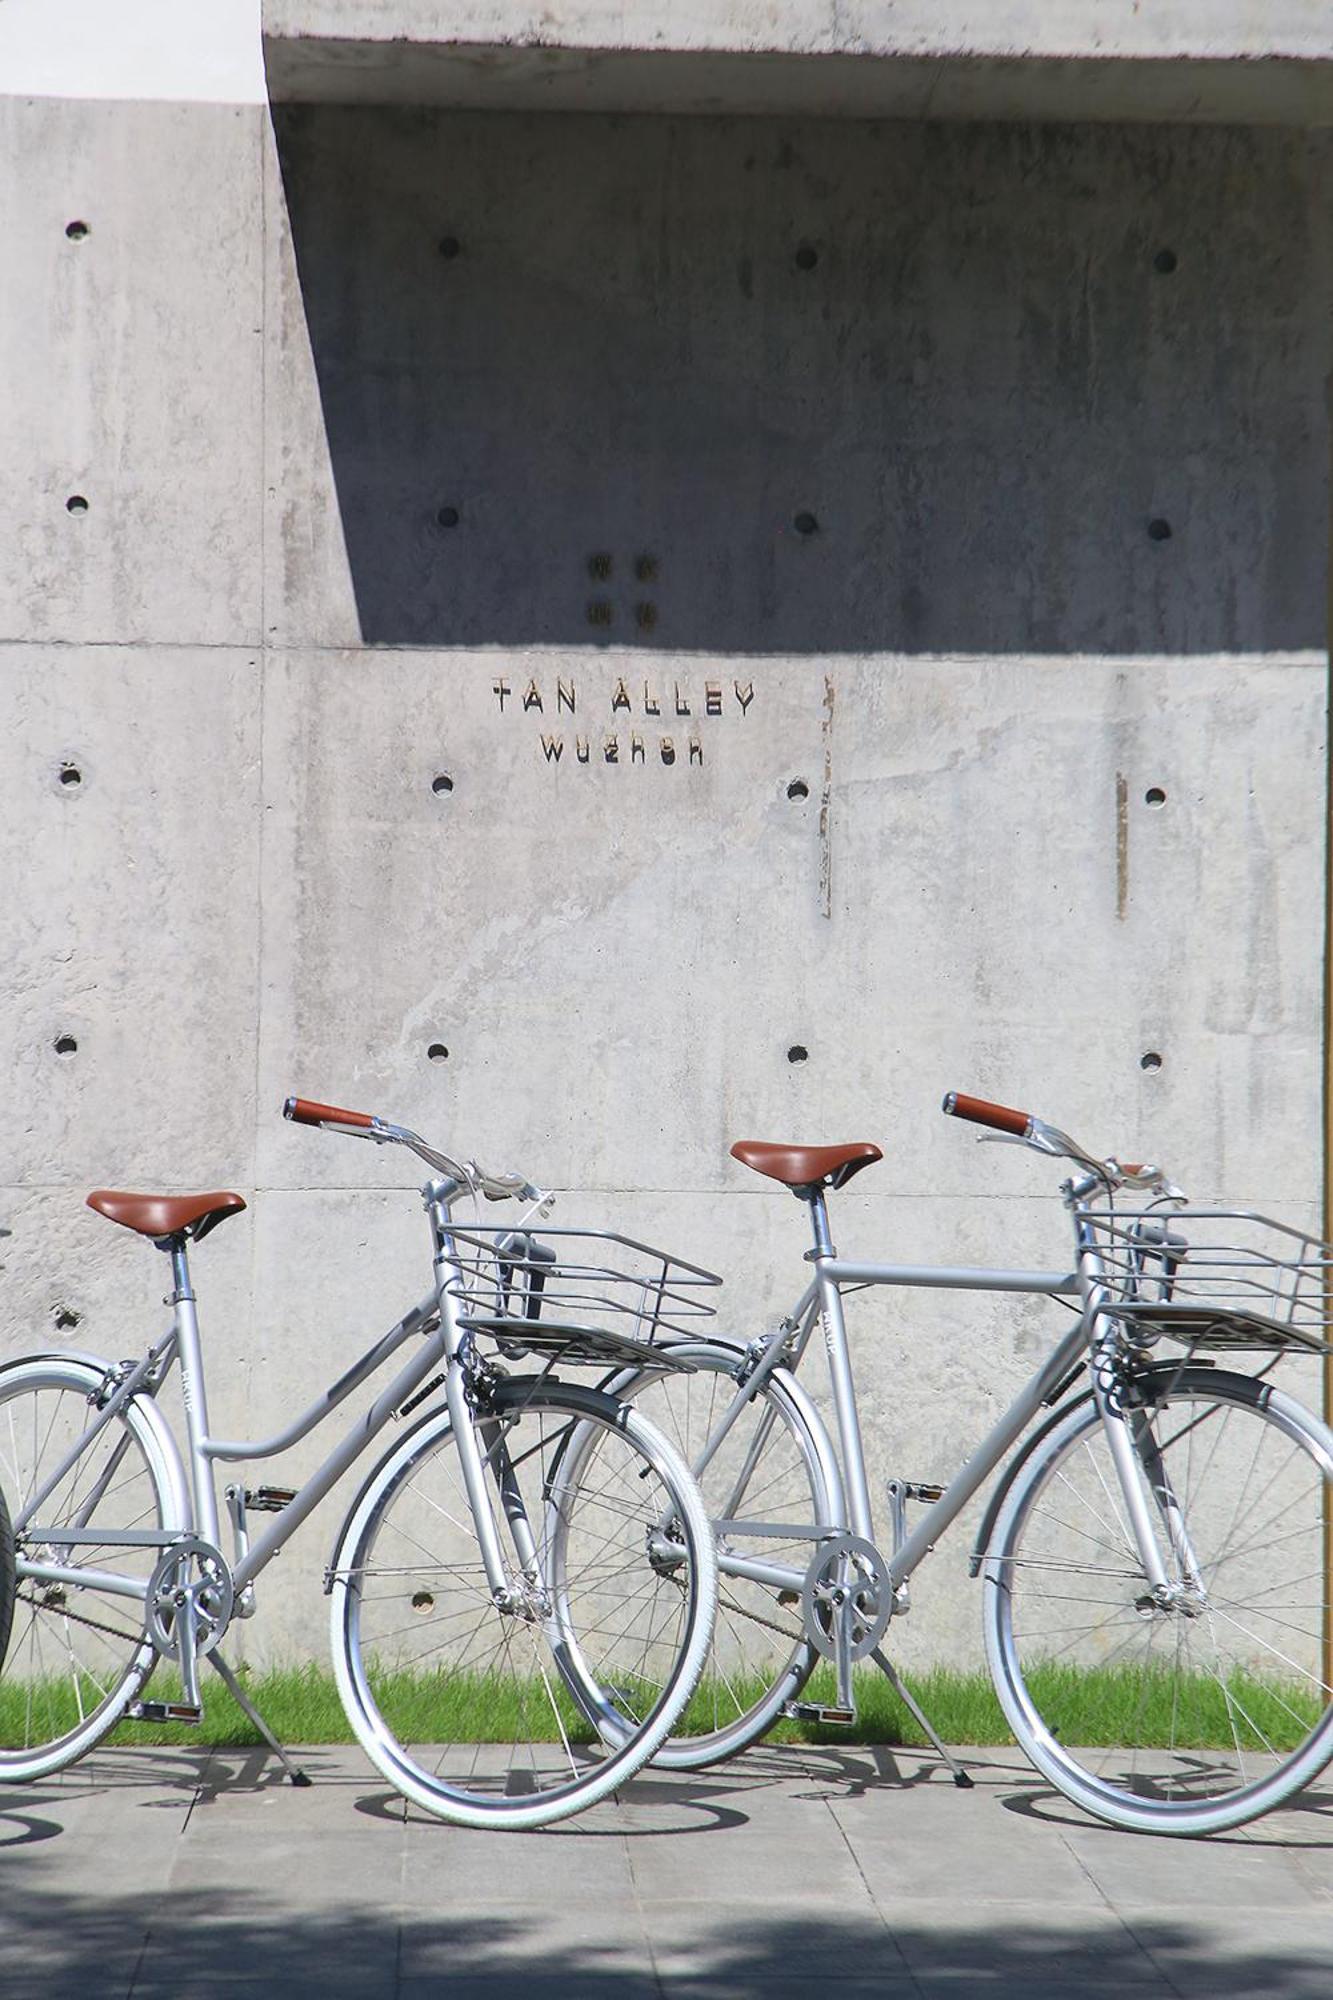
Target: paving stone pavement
{"x":856,"y":1872}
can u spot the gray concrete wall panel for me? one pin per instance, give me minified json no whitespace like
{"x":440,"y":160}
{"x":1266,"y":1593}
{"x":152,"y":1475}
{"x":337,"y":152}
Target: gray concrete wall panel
{"x":130,"y":811}
{"x":620,"y":957}
{"x":131,"y":355}
{"x":981,"y":368}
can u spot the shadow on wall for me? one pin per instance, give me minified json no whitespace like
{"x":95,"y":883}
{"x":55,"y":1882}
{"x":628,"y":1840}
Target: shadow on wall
{"x":749,"y":386}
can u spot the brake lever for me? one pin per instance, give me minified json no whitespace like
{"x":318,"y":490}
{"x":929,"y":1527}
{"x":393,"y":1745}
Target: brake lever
{"x":538,"y":1209}
{"x":1038,"y":1142}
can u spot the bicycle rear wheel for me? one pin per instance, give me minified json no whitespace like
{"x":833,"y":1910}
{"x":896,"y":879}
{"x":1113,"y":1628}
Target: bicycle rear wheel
{"x":518,"y":1715}
{"x":77,"y":1655}
{"x":6,"y":1579}
{"x":1201,"y":1713}
{"x":769,"y":1485}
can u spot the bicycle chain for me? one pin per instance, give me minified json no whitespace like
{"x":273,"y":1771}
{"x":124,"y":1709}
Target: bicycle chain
{"x":81,"y":1618}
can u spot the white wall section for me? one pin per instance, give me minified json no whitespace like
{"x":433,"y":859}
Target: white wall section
{"x":192,"y":51}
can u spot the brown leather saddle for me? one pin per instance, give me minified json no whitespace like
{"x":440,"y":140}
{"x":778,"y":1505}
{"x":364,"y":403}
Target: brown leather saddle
{"x":164,"y":1215}
{"x":802,"y":1167}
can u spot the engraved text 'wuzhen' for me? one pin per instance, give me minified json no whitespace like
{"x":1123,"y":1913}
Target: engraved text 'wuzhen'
{"x":620,"y":742}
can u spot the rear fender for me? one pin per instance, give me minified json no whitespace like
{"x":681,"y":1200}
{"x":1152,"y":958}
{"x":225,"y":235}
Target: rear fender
{"x":181,"y":1507}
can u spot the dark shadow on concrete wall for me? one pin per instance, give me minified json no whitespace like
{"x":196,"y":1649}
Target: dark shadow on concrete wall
{"x":751,"y":386}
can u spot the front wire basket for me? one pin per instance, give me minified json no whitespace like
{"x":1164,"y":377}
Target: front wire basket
{"x":1220,"y":1278}
{"x":585,"y":1295}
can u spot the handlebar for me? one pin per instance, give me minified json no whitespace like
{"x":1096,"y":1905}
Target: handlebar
{"x":1027,"y":1130}
{"x":980,"y":1111}
{"x":362,"y":1125}
{"x":304,"y":1111}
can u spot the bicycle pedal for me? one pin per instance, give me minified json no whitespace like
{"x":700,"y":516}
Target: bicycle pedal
{"x":813,"y":1711}
{"x":270,"y":1499}
{"x":164,"y":1711}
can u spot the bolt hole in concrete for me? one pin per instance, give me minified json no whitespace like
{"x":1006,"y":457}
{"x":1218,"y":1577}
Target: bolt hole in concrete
{"x":797,"y":1054}
{"x":798,"y":789}
{"x":599,"y":566}
{"x":76,"y":231}
{"x":1165,"y":262}
{"x":437,"y":1052}
{"x":450,"y":247}
{"x":441,"y":783}
{"x":448,"y":517}
{"x":806,"y":256}
{"x":1154,"y":797}
{"x":1151,"y":1061}
{"x":1159,"y":530}
{"x":599,"y":611}
{"x":76,"y":504}
{"x":70,"y":774}
{"x":806,"y":524}
{"x":645,"y":616}
{"x":65,"y":1045}
{"x":645,"y":568}
{"x":66,"y":1318}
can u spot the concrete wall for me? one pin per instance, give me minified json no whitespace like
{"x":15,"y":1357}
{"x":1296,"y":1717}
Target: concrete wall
{"x":1192,"y":29}
{"x":1209,"y":60}
{"x":415,"y":444}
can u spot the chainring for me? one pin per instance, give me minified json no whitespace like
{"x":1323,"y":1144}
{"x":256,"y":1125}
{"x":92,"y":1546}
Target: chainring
{"x":846,"y":1564}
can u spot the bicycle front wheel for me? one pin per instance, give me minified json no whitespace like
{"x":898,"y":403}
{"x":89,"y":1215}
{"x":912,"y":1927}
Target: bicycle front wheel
{"x":1202,"y":1711}
{"x":77,"y":1655}
{"x":518,"y":1714}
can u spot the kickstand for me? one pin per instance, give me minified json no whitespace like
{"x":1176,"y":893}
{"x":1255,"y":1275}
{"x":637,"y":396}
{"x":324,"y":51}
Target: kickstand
{"x":247,"y":1707}
{"x":913,"y":1707}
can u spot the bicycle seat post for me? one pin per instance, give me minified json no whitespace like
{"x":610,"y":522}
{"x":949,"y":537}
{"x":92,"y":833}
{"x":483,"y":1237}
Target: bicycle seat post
{"x":834,"y":1329}
{"x":823,"y":1244}
{"x":193,"y":1392}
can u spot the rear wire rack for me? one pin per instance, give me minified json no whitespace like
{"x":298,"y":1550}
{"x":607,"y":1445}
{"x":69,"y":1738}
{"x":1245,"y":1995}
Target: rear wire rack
{"x":586,"y":1295}
{"x":1221,"y":1278}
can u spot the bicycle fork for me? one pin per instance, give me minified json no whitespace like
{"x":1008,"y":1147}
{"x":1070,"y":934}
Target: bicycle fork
{"x":1145,"y":1487}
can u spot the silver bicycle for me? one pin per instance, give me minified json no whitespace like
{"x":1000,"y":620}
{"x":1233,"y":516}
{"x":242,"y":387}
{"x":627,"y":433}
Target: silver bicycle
{"x":523,"y":1589}
{"x":1156,"y":1589}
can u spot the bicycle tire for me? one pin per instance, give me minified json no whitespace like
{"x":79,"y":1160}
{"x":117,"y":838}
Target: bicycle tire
{"x":77,"y":1656}
{"x":6,"y":1578}
{"x":756,"y":1633}
{"x":420,"y":1648}
{"x":1067,"y":1609}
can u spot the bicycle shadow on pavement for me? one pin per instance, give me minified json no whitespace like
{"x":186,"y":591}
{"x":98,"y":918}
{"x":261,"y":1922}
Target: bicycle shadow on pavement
{"x":1305,"y":1822}
{"x":657,"y":1802}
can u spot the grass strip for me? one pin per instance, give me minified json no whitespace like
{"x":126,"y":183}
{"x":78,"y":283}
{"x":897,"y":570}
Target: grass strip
{"x":1090,"y":1707}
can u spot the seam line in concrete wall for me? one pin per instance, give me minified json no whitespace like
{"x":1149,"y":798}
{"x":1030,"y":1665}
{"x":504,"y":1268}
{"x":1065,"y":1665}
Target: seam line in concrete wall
{"x":1309,"y":661}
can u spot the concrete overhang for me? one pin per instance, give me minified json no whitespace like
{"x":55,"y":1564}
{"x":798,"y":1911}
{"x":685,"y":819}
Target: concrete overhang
{"x":1267,"y":62}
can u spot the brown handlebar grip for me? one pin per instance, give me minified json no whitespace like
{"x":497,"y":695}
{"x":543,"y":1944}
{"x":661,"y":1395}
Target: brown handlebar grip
{"x":304,"y":1111}
{"x":979,"y":1111}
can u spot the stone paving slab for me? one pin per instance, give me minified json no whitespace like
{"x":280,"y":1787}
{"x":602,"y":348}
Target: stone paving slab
{"x":168,"y":1875}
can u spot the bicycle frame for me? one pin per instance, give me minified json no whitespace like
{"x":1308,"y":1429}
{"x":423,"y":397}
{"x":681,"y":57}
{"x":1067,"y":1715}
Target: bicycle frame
{"x":821,"y":1305}
{"x":443,"y":1349}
